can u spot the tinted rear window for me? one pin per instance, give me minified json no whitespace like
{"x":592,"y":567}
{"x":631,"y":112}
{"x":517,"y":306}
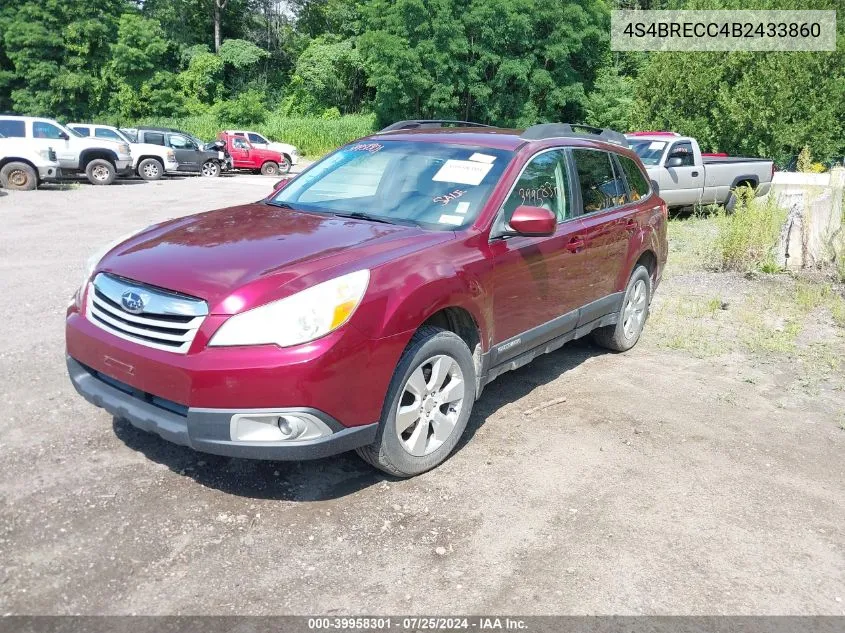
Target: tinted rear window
{"x":15,"y":129}
{"x":637,"y":183}
{"x":600,"y":187}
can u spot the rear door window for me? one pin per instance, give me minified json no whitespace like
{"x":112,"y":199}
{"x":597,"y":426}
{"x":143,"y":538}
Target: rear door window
{"x":637,"y":183}
{"x":543,"y":183}
{"x":13,"y":128}
{"x":601,"y":187}
{"x":154,"y":138}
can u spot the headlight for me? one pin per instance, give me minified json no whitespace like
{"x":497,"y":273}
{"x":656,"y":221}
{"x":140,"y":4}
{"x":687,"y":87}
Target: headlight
{"x":171,"y":156}
{"x":303,"y":317}
{"x":124,"y":148}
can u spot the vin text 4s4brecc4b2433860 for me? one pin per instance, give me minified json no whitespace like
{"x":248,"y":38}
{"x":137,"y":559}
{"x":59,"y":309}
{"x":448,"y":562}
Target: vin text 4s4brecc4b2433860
{"x":367,"y":302}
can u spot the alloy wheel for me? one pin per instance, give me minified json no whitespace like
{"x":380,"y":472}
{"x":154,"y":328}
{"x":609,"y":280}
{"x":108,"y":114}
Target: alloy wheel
{"x":635,"y":307}
{"x":430,"y":404}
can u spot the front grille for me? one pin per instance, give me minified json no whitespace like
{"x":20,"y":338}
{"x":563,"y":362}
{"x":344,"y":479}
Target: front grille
{"x":167,"y":321}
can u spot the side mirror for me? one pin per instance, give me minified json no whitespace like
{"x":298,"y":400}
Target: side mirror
{"x":675,"y":161}
{"x":281,"y":184}
{"x":64,"y":136}
{"x":533,"y":221}
{"x":655,"y":187}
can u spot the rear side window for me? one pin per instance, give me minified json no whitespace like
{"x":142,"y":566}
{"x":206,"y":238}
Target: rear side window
{"x":42,"y":129}
{"x":637,"y":183}
{"x":13,"y":129}
{"x":85,"y":131}
{"x":154,"y":138}
{"x":543,"y":183}
{"x":239,"y":142}
{"x":601,"y":188}
{"x":106,"y":133}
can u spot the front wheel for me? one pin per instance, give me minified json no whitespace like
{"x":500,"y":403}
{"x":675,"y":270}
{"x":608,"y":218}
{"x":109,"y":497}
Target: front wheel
{"x":100,"y":172}
{"x":429,"y":401}
{"x":632,"y":316}
{"x":210,"y":169}
{"x":18,"y":176}
{"x":270,"y":168}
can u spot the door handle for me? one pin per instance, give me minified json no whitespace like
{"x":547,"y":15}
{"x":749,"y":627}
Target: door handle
{"x":575,"y":244}
{"x":694,"y":174}
{"x":631,"y":224}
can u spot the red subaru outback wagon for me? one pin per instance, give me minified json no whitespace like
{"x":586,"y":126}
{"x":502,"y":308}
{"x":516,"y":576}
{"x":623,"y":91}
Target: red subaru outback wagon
{"x":366,"y":303}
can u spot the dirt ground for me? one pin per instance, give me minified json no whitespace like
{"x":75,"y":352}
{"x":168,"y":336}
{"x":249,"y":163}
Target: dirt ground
{"x":699,"y":473}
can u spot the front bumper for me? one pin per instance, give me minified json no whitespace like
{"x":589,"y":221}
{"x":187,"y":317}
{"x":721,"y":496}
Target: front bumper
{"x":49,"y":174}
{"x":209,"y":430}
{"x":123,"y":167}
{"x":171,"y":167}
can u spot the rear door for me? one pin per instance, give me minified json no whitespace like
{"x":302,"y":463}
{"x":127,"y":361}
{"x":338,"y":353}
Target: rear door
{"x":608,"y":225}
{"x":537,"y":280}
{"x":187,"y":154}
{"x":682,"y":180}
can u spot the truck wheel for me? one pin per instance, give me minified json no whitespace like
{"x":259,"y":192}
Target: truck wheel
{"x":150,"y":169}
{"x":18,"y":176}
{"x":100,"y":172}
{"x":285,"y":165}
{"x":632,"y":316}
{"x":210,"y":168}
{"x":429,"y":401}
{"x":270,"y":169}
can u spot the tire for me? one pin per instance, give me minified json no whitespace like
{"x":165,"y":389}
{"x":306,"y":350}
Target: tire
{"x":150,"y":169}
{"x":18,"y":177}
{"x":730,"y":203}
{"x":432,"y":351}
{"x":632,"y":315}
{"x":285,"y":165}
{"x":100,"y":172}
{"x":270,"y":168}
{"x":210,"y":169}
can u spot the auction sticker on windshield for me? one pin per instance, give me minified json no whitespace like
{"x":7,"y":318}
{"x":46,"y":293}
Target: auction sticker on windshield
{"x":465,"y":172}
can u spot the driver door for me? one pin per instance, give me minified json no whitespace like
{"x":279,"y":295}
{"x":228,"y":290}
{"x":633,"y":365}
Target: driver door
{"x":46,"y":135}
{"x":681,"y":181}
{"x":188,"y":155}
{"x":239,"y":151}
{"x":535,"y":279}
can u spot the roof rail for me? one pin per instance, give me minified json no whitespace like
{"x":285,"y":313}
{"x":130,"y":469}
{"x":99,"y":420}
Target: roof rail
{"x":556,"y":130}
{"x":414,"y":124}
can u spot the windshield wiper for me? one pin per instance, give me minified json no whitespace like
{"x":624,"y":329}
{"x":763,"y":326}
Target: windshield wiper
{"x":281,"y":205}
{"x":357,"y":215}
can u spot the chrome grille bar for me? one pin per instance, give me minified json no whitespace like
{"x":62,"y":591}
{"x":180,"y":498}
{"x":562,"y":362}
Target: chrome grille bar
{"x":166,"y":321}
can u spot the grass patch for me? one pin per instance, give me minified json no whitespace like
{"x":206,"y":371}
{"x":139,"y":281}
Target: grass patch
{"x":746,"y":238}
{"x":313,"y":136}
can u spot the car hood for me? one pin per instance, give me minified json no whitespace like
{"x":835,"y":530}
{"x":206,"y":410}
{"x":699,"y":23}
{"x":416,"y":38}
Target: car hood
{"x":284,"y":148}
{"x":256,"y":249}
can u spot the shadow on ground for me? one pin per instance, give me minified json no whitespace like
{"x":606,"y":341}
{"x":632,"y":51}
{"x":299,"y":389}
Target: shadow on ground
{"x":346,"y":474}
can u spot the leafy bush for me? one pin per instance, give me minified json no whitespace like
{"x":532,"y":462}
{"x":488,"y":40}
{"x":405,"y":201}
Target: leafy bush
{"x":247,"y":108}
{"x":746,"y":239}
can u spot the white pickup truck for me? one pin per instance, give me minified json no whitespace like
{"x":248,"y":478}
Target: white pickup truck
{"x":685,"y":177}
{"x":149,"y":161}
{"x":24,"y":167}
{"x":100,"y":160}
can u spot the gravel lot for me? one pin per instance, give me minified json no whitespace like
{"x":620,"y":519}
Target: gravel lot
{"x":664,"y":484}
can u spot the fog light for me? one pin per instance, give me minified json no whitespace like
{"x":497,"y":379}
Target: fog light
{"x":279,"y":426}
{"x":291,"y":427}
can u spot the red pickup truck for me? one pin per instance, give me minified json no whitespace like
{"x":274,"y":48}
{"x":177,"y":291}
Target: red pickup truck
{"x":247,"y":156}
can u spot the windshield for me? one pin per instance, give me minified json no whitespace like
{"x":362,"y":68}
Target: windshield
{"x":433,"y":185}
{"x":648,"y":151}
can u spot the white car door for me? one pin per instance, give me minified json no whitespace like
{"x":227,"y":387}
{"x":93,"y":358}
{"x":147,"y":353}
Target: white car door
{"x":45,"y":135}
{"x":681,"y":180}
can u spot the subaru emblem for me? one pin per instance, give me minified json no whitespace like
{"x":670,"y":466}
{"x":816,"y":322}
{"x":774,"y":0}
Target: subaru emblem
{"x":132,"y":302}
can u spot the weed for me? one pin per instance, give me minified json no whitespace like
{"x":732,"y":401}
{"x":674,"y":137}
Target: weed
{"x":747,"y":237}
